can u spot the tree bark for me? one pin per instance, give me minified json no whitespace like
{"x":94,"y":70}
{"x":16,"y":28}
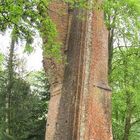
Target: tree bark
{"x":62,"y":19}
{"x":83,"y":102}
{"x":110,"y":50}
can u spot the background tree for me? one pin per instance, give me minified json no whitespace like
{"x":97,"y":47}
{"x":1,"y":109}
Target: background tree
{"x":28,"y":103}
{"x":122,"y":21}
{"x":125,"y":83}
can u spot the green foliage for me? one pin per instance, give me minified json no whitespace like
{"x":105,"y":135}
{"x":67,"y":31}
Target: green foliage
{"x":1,"y":57}
{"x":28,"y":108}
{"x":28,"y":104}
{"x":26,"y":18}
{"x":5,"y":136}
{"x":28,"y":48}
{"x":122,"y":21}
{"x":122,"y":16}
{"x":52,"y":48}
{"x":125,"y":81}
{"x":1,"y":60}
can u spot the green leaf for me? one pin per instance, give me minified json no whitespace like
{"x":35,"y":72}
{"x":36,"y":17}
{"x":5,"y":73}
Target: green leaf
{"x":28,"y":49}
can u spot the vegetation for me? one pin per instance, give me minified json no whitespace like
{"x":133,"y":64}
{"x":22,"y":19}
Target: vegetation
{"x":25,"y":18}
{"x":23,"y":103}
{"x":122,"y":20}
{"x":125,"y":83}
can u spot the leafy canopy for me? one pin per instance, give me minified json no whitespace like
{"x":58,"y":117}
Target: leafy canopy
{"x":26,"y":18}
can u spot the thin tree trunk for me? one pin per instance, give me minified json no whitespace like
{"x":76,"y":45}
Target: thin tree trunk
{"x":110,"y":50}
{"x":129,"y":106}
{"x":128,"y":117}
{"x":10,"y":84}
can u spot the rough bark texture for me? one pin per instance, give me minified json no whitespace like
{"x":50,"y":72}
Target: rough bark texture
{"x":95,"y":114}
{"x":58,"y":12}
{"x":67,"y":120}
{"x":61,"y":17}
{"x":80,"y":110}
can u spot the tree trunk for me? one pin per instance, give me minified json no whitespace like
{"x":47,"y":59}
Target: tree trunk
{"x":129,"y":104}
{"x":128,"y":117}
{"x":9,"y":86}
{"x":110,"y":50}
{"x":82,"y":107}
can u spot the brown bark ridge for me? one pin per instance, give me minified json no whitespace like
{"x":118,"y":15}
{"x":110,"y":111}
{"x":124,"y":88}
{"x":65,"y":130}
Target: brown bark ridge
{"x":81,"y":109}
{"x":58,"y":11}
{"x":95,"y":115}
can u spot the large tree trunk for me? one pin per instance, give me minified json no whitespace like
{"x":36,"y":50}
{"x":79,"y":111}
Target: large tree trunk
{"x":80,"y":110}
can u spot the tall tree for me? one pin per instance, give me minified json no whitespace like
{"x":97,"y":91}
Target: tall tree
{"x":83,"y":102}
{"x":125,"y":83}
{"x":10,"y":82}
{"x":122,"y":21}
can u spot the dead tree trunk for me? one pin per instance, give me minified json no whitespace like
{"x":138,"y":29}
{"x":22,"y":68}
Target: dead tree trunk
{"x":80,"y":110}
